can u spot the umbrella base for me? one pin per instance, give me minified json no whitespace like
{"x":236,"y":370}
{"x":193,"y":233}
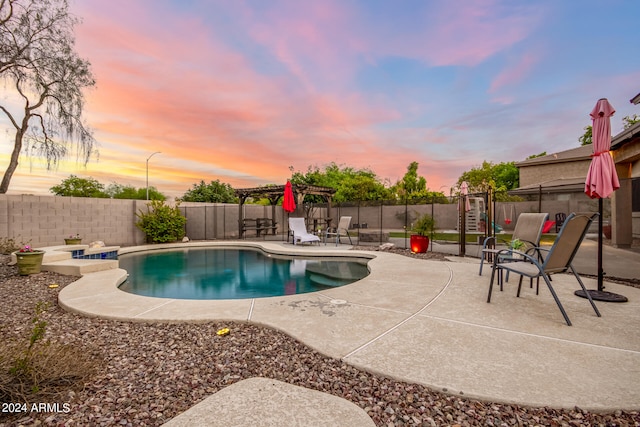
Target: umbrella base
{"x":597,"y":295}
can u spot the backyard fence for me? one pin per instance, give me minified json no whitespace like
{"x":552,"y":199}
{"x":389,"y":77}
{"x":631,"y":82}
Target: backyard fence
{"x":47,"y":220}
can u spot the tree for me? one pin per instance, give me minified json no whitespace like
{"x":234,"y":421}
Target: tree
{"x":411,"y":186}
{"x":587,"y":136}
{"x":350,"y":184}
{"x":533,"y":156}
{"x":214,"y":192}
{"x":119,"y":191}
{"x":46,"y":78}
{"x":627,"y":122}
{"x":79,"y":187}
{"x":500,"y":178}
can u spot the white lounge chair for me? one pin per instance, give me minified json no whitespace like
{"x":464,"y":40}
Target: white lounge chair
{"x":300,"y":233}
{"x":341,"y":230}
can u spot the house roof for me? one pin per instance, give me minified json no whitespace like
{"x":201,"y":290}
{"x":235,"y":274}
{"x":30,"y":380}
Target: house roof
{"x":625,"y":136}
{"x":562,"y":185}
{"x":574,"y":154}
{"x":635,"y":99}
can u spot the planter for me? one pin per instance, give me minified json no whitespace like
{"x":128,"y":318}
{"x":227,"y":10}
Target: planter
{"x":419,"y":244}
{"x":29,"y":262}
{"x":72,"y":241}
{"x":606,"y":230}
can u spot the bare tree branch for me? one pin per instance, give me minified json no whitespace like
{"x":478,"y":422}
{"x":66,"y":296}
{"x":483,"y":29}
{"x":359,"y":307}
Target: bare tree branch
{"x":37,"y":54}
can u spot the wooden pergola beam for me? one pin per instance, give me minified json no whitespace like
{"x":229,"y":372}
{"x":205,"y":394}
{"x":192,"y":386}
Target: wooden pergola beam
{"x":274,"y":192}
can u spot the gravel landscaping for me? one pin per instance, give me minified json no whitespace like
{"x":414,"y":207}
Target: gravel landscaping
{"x":149,"y":373}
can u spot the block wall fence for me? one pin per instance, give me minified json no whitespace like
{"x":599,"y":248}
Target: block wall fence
{"x":48,"y":220}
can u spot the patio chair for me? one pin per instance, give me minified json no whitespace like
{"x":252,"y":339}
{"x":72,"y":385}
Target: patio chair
{"x":557,"y":260}
{"x":300,"y":233}
{"x":528,"y":230}
{"x":341,"y":230}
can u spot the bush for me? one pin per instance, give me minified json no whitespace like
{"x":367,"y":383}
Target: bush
{"x":42,"y":370}
{"x":162,"y":223}
{"x":9,"y":245}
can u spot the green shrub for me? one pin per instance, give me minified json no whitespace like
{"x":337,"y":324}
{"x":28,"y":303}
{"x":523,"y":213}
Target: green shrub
{"x":161,"y":223}
{"x":424,"y":226}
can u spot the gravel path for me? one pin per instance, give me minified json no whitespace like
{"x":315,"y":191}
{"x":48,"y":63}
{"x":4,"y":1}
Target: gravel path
{"x":150,"y":373}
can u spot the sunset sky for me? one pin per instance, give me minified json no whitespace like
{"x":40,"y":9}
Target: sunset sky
{"x":241,"y":91}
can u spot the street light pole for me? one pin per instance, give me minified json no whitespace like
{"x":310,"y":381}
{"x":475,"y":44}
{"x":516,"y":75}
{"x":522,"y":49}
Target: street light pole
{"x":157,"y":152}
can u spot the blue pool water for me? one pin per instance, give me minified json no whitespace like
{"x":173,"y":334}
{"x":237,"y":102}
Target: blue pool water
{"x":215,"y":273}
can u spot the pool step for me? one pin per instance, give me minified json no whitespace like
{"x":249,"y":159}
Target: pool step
{"x":60,"y":259}
{"x":79,"y":267}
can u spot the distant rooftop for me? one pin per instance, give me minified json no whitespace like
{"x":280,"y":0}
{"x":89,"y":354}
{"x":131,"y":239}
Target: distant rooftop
{"x":574,"y":154}
{"x":561,"y":185}
{"x":626,"y":135}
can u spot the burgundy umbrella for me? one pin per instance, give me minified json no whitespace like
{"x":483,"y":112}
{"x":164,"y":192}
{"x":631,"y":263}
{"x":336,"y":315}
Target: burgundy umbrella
{"x":601,"y":182}
{"x":288,"y":203}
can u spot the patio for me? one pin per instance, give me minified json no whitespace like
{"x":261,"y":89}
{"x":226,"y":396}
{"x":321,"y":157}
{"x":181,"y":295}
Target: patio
{"x":438,"y":332}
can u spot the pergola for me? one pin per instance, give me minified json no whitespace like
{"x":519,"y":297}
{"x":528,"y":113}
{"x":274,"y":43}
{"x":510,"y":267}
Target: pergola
{"x":274,"y":192}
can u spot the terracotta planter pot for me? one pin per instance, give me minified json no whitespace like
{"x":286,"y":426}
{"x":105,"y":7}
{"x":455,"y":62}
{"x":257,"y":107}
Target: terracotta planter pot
{"x":606,"y":230}
{"x":419,"y":244}
{"x":29,"y":262}
{"x":72,"y":241}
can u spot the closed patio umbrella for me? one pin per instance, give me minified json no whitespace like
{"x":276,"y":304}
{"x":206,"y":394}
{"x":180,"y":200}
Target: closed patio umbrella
{"x":464,"y":191}
{"x":288,"y":202}
{"x":464,"y":206}
{"x":601,"y":182}
{"x":602,"y":179}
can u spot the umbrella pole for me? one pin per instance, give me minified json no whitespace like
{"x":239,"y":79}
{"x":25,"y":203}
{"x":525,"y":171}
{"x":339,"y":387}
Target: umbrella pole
{"x":600,"y":294}
{"x":600,"y":271}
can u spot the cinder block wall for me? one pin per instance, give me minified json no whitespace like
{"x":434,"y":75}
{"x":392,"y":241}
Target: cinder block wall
{"x":48,"y":220}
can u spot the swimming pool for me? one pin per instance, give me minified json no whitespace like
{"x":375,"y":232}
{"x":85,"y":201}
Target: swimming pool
{"x":232,"y":273}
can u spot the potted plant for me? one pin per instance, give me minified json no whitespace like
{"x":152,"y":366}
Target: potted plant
{"x":516,"y":244}
{"x":73,"y":240}
{"x":422,"y":228}
{"x":29,"y":260}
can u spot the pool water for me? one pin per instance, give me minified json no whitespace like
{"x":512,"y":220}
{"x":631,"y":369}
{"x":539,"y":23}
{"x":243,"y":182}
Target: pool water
{"x":215,"y":273}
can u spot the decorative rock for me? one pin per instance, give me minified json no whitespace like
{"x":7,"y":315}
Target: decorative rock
{"x":151,"y":373}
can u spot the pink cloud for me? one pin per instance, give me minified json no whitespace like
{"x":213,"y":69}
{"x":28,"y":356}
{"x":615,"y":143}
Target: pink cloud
{"x":168,"y":82}
{"x":515,"y":73}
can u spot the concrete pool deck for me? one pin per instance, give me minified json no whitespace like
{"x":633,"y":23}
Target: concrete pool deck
{"x":428,"y":322}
